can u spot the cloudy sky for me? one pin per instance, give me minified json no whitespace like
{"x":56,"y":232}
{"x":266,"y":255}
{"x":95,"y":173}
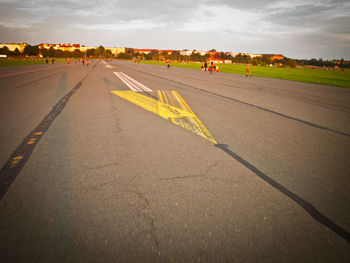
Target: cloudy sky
{"x":294,"y":28}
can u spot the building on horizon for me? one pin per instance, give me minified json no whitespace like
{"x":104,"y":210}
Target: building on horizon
{"x":213,"y":56}
{"x":13,"y":46}
{"x":274,"y":56}
{"x":144,"y":50}
{"x":71,"y":47}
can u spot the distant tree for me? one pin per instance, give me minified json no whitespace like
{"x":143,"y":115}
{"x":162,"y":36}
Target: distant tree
{"x":255,"y":61}
{"x":153,"y":55}
{"x":292,"y":63}
{"x":108,"y":54}
{"x":4,"y":50}
{"x":90,"y":52}
{"x":195,"y":56}
{"x":314,"y":62}
{"x":139,"y":55}
{"x":16,"y":52}
{"x":44,"y":52}
{"x":96,"y":53}
{"x":77,"y":53}
{"x":68,"y":54}
{"x":124,"y":55}
{"x":217,"y":56}
{"x":212,"y":50}
{"x":31,"y":50}
{"x":164,"y":54}
{"x":240,"y":58}
{"x":267,"y":59}
{"x":59,"y":53}
{"x":175,"y":56}
{"x":223,"y":56}
{"x":51,"y":52}
{"x":101,"y":51}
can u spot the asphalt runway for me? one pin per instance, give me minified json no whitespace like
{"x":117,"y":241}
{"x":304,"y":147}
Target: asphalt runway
{"x":125,"y":162}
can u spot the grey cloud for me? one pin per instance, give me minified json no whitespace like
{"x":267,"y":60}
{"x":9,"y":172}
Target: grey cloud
{"x":251,"y":5}
{"x":339,"y":25}
{"x":95,"y":12}
{"x":305,"y":15}
{"x":295,"y":28}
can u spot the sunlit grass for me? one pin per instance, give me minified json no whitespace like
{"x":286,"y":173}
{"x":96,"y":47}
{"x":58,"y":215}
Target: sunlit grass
{"x":330,"y":77}
{"x":4,"y":62}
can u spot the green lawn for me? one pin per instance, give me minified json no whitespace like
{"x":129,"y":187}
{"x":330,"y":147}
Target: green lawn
{"x":4,"y":62}
{"x":319,"y":76}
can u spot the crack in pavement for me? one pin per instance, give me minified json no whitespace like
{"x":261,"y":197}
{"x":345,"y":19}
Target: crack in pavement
{"x":203,"y":176}
{"x":184,"y":177}
{"x":114,"y":110}
{"x":104,"y":184}
{"x":146,"y":214}
{"x":107,"y":165}
{"x":190,"y":176}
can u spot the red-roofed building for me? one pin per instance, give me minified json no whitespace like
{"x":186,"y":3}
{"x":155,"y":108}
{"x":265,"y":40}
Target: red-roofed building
{"x":144,"y":51}
{"x":214,"y":57}
{"x":275,"y":56}
{"x":63,"y":47}
{"x":168,"y":51}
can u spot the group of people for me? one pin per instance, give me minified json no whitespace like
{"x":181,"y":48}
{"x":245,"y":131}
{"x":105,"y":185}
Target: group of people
{"x":211,"y":68}
{"x":53,"y":60}
{"x":83,"y":62}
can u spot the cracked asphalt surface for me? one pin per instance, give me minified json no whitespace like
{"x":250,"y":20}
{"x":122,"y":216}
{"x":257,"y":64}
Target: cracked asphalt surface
{"x":111,"y":182}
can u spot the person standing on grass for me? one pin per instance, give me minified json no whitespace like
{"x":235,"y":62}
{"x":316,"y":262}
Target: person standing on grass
{"x":247,"y":70}
{"x":212,"y":67}
{"x":205,"y":66}
{"x":168,"y":63}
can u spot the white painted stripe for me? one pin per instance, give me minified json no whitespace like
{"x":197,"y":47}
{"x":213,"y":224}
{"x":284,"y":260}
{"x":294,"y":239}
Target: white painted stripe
{"x":130,"y":85}
{"x":125,"y":80}
{"x":140,"y":85}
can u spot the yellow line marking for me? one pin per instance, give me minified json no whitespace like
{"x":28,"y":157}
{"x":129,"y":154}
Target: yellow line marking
{"x":201,"y":126}
{"x":174,"y":104}
{"x":37,"y":133}
{"x":31,"y":141}
{"x":160,"y":96}
{"x":184,"y":117}
{"x":184,"y":123}
{"x":15,"y":160}
{"x":182,"y":102}
{"x":167,"y":102}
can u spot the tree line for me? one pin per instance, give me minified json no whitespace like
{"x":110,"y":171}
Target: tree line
{"x":263,"y":60}
{"x":130,"y":53}
{"x":30,"y":50}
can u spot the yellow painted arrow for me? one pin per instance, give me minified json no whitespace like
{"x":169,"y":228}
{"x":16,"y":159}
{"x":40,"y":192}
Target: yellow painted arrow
{"x":171,"y":106}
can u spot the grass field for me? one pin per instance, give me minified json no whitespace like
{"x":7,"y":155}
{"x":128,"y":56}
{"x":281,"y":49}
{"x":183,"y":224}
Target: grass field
{"x":319,"y":76}
{"x":4,"y":62}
